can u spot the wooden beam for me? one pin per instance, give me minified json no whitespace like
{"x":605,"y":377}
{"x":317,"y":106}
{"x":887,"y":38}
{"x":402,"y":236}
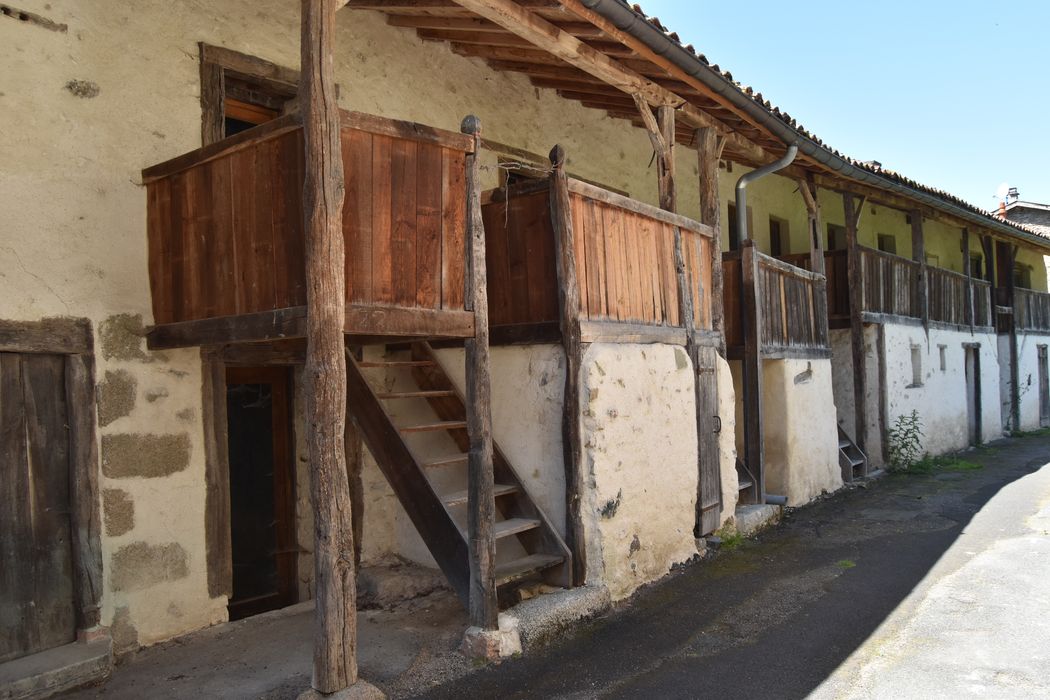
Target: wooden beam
{"x":481,"y":504}
{"x":335,"y":640}
{"x":218,"y":547}
{"x":665,"y":162}
{"x":968,"y":301}
{"x":751,"y":369}
{"x":86,"y":527}
{"x":709,"y":147}
{"x":569,"y":318}
{"x":918,"y":254}
{"x":476,"y":24}
{"x":53,"y":336}
{"x":856,"y":310}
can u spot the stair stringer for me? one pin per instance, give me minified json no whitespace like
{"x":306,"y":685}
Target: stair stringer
{"x":406,"y":478}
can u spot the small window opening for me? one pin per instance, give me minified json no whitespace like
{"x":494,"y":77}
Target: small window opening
{"x":944,"y":357}
{"x":887,"y":243}
{"x":916,"y":366}
{"x":732,"y":228}
{"x":1022,"y":276}
{"x":779,"y":243}
{"x":836,"y":237}
{"x":933,"y":260}
{"x":976,"y":266}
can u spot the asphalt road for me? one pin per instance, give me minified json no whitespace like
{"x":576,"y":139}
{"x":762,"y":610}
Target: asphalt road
{"x":932,"y":585}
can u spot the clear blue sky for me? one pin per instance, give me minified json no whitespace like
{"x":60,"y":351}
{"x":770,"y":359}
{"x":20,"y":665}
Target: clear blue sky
{"x":954,"y":94}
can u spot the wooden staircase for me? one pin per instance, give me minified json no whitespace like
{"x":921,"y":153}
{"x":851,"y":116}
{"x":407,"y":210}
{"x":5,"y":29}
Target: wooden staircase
{"x":852,"y":461}
{"x":413,"y":420}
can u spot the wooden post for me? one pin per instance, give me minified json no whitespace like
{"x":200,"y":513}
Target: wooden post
{"x":665,"y":159}
{"x":352,"y":448}
{"x":218,"y":547}
{"x":751,"y":320}
{"x":83,"y":487}
{"x":1006,"y":274}
{"x":335,"y":641}
{"x":918,"y":254}
{"x":709,"y":150}
{"x":569,"y":317}
{"x":816,"y":253}
{"x":968,"y":301}
{"x":481,"y":502}
{"x":856,"y":321}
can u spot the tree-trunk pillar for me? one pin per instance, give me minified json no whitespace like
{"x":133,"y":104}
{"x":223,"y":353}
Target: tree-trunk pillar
{"x":335,"y":640}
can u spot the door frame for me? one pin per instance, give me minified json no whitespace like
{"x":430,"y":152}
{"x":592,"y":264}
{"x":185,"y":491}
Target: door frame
{"x":1043,"y":377}
{"x":284,"y":483}
{"x":72,"y":338}
{"x":973,"y":350}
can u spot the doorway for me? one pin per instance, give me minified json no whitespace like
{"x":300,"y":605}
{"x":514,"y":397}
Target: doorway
{"x":37,"y":609}
{"x":262,"y":489}
{"x":973,"y":392}
{"x":1044,"y":388}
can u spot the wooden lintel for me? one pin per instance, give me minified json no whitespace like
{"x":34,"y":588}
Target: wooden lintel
{"x":54,"y":336}
{"x":617,"y":332}
{"x":360,"y":320}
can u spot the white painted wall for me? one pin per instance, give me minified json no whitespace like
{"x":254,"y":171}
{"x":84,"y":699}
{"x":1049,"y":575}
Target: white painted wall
{"x":1028,"y":377}
{"x":941,"y":398}
{"x":842,"y":385}
{"x":640,"y":456}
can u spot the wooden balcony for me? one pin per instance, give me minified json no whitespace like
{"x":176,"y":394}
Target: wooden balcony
{"x":792,"y":307}
{"x":625,"y":259}
{"x":225,"y":228}
{"x":1031,"y":310}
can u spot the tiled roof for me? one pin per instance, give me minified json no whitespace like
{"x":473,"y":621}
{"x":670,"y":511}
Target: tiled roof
{"x":791,"y":122}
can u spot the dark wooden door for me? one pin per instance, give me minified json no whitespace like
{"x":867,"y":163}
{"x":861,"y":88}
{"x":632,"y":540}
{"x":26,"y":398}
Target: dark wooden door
{"x":708,"y":425}
{"x":262,"y":494}
{"x":1044,"y":387}
{"x":36,"y":559}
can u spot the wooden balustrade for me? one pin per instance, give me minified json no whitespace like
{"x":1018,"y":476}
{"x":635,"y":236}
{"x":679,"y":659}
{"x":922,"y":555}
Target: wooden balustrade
{"x":1031,"y":310}
{"x":624,"y":251}
{"x":225,"y":224}
{"x":948,"y":297}
{"x":890,"y":283}
{"x":982,"y":302}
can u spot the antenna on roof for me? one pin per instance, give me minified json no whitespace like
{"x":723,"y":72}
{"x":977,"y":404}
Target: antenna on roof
{"x":1001,"y":193}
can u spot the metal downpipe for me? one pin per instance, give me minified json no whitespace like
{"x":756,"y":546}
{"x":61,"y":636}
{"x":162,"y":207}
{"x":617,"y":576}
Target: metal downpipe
{"x":741,"y":232}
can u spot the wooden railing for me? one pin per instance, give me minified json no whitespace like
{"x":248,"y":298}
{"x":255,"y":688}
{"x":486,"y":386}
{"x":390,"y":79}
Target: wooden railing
{"x":982,"y":302}
{"x":891,"y":284}
{"x":225,"y":223}
{"x":949,"y":298}
{"x":792,"y":300}
{"x":1031,"y":310}
{"x":624,"y":251}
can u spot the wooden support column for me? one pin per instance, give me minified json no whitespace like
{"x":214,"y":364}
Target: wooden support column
{"x":665,"y":159}
{"x":1008,"y":254}
{"x":218,"y":547}
{"x":968,"y":300}
{"x":335,"y":640}
{"x":808,"y":191}
{"x":751,"y":321}
{"x":705,"y":359}
{"x":856,"y":322}
{"x":709,"y":147}
{"x":481,"y":503}
{"x":918,"y":254}
{"x":569,"y":319}
{"x":353,"y":447}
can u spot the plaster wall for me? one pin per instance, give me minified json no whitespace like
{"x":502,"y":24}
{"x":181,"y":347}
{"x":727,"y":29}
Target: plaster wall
{"x":727,"y":405}
{"x":640,"y":458}
{"x":800,"y":443}
{"x":941,"y":397}
{"x":1028,"y":377}
{"x":842,"y":386}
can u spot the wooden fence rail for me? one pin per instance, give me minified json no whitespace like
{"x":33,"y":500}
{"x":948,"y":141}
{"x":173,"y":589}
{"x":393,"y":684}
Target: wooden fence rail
{"x":1032,"y":310}
{"x":890,"y":283}
{"x":948,"y":297}
{"x":982,"y":302}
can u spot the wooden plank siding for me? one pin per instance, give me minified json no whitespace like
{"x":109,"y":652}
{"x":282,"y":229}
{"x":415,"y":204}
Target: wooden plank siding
{"x":225,"y":230}
{"x":1031,"y":310}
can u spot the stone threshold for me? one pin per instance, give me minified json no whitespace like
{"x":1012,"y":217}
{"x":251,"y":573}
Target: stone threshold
{"x":46,"y":673}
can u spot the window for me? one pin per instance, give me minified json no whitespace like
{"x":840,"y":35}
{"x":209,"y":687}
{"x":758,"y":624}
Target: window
{"x":887,"y":243}
{"x":239,"y":91}
{"x":916,"y":366}
{"x":976,"y":266}
{"x":836,"y":237}
{"x":933,"y":260}
{"x":731,"y":227}
{"x":779,"y":243}
{"x":1022,"y":276}
{"x":944,"y":357}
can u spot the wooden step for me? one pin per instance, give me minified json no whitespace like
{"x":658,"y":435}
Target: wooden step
{"x":526,"y":566}
{"x":854,"y":462}
{"x":745,"y":484}
{"x":431,"y":427}
{"x":514,"y":526}
{"x":395,"y":363}
{"x":447,"y":461}
{"x":843,"y":444}
{"x":457,"y":498}
{"x":416,"y":394}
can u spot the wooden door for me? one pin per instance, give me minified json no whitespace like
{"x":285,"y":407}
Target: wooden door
{"x":1044,"y":388}
{"x":972,"y":355}
{"x":262,"y":493}
{"x":708,"y":425}
{"x":36,"y":560}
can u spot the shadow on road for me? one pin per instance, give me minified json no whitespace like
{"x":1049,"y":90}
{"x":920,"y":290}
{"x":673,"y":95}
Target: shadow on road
{"x":777,"y":615}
